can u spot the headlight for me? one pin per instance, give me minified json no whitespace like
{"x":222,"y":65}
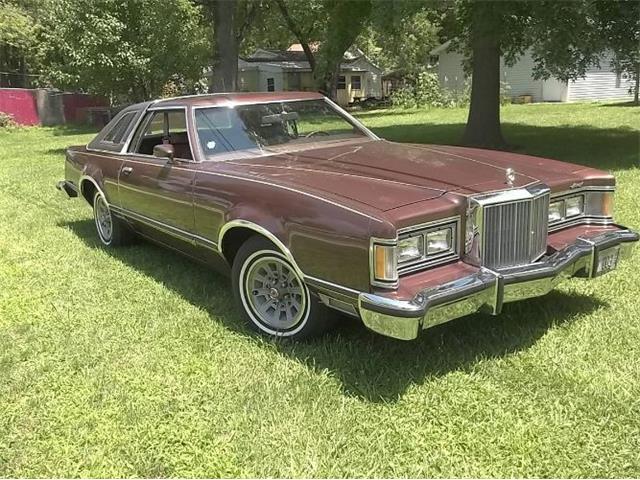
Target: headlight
{"x":416,"y":248}
{"x":574,"y":206}
{"x":410,"y":248}
{"x":556,"y":211}
{"x":439,"y":241}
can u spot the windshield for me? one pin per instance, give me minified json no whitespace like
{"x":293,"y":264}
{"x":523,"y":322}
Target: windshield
{"x":270,"y":126}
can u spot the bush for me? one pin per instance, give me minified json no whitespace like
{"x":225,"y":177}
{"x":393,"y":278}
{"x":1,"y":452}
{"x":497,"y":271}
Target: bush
{"x":425,"y":91}
{"x":7,"y":121}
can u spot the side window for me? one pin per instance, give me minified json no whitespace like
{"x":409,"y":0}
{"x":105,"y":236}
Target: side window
{"x":342,"y":82}
{"x":117,"y":133}
{"x":163,"y":127}
{"x":356,"y":83}
{"x":271,"y":85}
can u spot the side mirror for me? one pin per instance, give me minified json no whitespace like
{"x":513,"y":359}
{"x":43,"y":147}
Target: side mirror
{"x":164,"y":151}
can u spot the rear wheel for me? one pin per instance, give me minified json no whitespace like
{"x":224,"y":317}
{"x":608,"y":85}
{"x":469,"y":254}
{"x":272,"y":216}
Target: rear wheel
{"x":111,"y":230}
{"x":272,"y":296}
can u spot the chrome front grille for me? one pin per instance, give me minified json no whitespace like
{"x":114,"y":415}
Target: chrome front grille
{"x":513,"y":227}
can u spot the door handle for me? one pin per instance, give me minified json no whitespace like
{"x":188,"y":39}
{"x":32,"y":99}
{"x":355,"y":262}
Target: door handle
{"x":126,"y":170}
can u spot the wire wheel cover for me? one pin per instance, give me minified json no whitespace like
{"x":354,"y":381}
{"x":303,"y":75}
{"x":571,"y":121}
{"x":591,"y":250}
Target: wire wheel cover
{"x":104,"y":223}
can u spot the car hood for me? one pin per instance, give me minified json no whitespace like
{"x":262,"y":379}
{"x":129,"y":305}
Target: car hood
{"x":388,"y":175}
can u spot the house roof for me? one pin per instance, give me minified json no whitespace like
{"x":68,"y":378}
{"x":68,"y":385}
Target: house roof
{"x":294,"y":58}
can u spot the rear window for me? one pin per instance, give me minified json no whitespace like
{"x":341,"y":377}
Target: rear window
{"x":117,"y":133}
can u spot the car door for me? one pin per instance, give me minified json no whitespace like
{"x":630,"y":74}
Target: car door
{"x":156,"y":191}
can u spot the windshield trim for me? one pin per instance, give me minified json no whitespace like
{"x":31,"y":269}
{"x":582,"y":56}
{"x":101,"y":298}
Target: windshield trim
{"x":231,"y":104}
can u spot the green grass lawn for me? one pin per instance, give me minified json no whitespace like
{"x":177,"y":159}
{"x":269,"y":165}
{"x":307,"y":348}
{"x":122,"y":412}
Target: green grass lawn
{"x":134,"y":362}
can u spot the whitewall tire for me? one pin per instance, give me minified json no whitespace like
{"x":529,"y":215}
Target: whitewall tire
{"x":272,"y":296}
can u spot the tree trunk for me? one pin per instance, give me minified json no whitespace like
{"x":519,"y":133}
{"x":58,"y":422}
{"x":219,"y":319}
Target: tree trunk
{"x":225,"y":65}
{"x":483,"y":124}
{"x":636,"y":90}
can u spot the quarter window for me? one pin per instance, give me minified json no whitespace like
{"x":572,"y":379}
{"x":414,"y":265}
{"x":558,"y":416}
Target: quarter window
{"x":117,"y":133}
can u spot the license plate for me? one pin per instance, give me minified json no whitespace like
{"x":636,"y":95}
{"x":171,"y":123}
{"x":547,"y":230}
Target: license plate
{"x":607,"y":261}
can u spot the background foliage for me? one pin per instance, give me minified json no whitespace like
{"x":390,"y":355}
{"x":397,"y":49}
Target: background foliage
{"x":123,"y":49}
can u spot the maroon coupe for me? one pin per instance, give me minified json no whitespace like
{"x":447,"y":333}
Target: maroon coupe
{"x":310,"y":212}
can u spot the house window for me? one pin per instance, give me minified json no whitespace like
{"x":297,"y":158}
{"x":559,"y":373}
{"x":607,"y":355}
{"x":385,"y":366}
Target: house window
{"x":342,"y":82}
{"x":356,"y":83}
{"x":271,"y":85}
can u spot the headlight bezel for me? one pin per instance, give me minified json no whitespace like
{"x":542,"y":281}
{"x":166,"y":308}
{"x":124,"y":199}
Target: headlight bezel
{"x":593,"y":209}
{"x":452,"y":224}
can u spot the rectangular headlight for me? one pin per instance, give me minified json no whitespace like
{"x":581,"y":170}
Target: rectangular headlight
{"x":439,"y":241}
{"x":385,"y":263}
{"x":574,"y":206}
{"x":556,"y":211}
{"x":411,"y":248}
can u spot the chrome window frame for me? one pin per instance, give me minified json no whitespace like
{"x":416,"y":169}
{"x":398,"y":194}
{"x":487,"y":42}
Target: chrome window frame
{"x":146,"y":119}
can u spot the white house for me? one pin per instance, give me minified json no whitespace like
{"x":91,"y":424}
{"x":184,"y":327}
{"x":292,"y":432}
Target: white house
{"x":602,"y":83}
{"x":278,"y":70}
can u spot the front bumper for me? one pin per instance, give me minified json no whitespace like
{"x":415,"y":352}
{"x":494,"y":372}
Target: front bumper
{"x":487,"y":290}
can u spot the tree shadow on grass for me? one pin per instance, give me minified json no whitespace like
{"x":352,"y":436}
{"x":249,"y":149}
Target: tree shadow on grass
{"x":369,"y":366}
{"x":606,"y":149}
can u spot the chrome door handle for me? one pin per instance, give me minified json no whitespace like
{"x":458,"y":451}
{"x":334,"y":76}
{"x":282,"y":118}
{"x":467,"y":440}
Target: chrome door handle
{"x":126,"y":170}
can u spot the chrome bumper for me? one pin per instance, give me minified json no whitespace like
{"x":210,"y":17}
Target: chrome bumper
{"x":68,"y":188}
{"x":487,"y":290}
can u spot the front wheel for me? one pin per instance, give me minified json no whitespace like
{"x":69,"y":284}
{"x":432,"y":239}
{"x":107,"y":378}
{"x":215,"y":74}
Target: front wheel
{"x":272,"y":296}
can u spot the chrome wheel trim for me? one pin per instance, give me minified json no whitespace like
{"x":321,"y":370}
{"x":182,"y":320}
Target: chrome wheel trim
{"x":280,"y":308}
{"x":103,"y":219}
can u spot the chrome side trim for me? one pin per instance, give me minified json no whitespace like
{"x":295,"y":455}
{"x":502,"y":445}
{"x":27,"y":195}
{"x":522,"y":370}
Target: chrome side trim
{"x":166,"y":228}
{"x":283,"y":187}
{"x":590,"y":220}
{"x":84,"y":178}
{"x":261,"y":230}
{"x":334,"y":287}
{"x":604,"y":188}
{"x":340,"y":305}
{"x":341,"y":289}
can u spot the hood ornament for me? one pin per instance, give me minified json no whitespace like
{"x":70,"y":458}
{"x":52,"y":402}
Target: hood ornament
{"x":511,"y":176}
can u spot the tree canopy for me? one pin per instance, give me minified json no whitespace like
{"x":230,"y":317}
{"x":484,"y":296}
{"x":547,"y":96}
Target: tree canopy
{"x":136,"y":49}
{"x":131,"y":49}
